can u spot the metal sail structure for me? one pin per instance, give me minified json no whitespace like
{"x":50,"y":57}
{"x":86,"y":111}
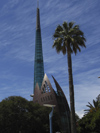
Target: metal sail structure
{"x":38,"y":62}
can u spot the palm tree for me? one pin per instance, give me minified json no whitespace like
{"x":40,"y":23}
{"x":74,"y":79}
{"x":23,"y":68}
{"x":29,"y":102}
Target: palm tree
{"x":68,"y":39}
{"x":93,"y":108}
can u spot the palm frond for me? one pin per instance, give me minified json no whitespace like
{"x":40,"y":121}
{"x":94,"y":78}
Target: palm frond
{"x":65,"y":27}
{"x":80,"y":41}
{"x":58,"y":34}
{"x":78,"y":32}
{"x":77,"y":48}
{"x":71,"y":24}
{"x":59,"y":28}
{"x":72,"y":37}
{"x":55,"y":35}
{"x":54,"y":44}
{"x":87,"y":110}
{"x":58,"y":49}
{"x":76,"y":27}
{"x":74,"y":49}
{"x":96,"y":103}
{"x":64,"y":49}
{"x":94,"y":107}
{"x":71,"y":32}
{"x":57,"y":44}
{"x":90,"y":104}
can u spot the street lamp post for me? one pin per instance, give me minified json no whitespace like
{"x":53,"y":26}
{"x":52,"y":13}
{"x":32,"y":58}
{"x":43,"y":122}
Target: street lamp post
{"x":50,"y":115}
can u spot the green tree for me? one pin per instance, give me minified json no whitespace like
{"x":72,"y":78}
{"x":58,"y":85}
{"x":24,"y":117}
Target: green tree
{"x":18,"y":114}
{"x":98,"y":99}
{"x":90,"y":123}
{"x":93,"y":108}
{"x":68,"y":39}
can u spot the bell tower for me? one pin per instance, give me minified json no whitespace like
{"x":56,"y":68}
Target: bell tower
{"x":38,"y":62}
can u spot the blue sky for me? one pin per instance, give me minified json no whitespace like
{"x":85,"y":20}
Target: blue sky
{"x":17,"y":44}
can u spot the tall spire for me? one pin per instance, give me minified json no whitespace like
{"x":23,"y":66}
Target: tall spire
{"x":38,"y":19}
{"x":38,"y":16}
{"x":38,"y":63}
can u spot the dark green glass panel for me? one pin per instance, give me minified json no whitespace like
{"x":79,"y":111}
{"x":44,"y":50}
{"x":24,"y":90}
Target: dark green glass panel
{"x":38,"y":64}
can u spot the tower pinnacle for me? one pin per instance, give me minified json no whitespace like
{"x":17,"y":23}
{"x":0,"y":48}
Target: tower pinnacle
{"x":38,"y":19}
{"x":37,"y":3}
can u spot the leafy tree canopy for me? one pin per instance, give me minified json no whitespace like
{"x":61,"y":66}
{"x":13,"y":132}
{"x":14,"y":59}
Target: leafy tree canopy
{"x":90,"y":123}
{"x":95,"y":107}
{"x":18,"y":114}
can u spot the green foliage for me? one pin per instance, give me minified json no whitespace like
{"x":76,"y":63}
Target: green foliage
{"x":90,"y":123}
{"x":98,"y":99}
{"x":68,"y":38}
{"x":18,"y":114}
{"x":93,"y":108}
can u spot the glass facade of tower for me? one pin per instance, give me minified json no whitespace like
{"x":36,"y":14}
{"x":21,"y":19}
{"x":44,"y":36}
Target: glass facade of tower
{"x":38,"y":63}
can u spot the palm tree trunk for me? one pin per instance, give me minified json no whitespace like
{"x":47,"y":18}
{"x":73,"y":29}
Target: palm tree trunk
{"x":71,"y":91}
